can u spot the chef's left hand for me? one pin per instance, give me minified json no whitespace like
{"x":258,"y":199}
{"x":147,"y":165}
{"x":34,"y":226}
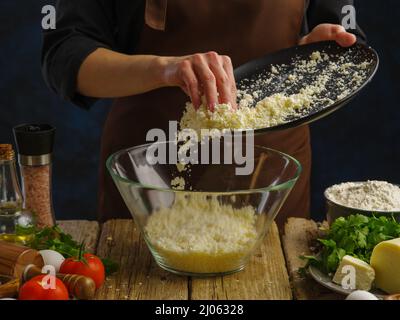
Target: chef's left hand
{"x":326,"y":31}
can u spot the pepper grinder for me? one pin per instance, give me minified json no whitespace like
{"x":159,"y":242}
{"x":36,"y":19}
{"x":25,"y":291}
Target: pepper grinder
{"x":35,"y":146}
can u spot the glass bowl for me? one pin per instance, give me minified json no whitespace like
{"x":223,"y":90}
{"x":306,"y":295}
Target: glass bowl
{"x":215,"y":221}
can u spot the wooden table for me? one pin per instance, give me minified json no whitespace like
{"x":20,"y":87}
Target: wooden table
{"x":271,"y":273}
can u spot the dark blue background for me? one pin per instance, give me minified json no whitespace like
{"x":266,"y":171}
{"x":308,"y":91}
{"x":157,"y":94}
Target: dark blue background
{"x":357,"y":143}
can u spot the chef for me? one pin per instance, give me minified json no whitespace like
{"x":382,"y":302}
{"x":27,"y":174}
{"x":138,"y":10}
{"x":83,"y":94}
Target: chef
{"x":151,"y":56}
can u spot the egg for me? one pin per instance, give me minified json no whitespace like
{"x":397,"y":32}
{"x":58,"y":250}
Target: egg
{"x":361,"y":295}
{"x":53,"y":258}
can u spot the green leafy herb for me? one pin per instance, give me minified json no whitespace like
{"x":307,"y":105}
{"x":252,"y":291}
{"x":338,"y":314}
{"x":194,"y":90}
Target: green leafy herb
{"x":53,"y":238}
{"x":110,"y":266}
{"x":355,"y":235}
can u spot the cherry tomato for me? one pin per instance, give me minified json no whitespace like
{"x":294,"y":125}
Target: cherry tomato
{"x":90,"y":266}
{"x":43,"y":287}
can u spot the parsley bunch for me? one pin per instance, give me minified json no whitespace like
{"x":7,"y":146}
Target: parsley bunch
{"x":355,"y":235}
{"x":53,"y":238}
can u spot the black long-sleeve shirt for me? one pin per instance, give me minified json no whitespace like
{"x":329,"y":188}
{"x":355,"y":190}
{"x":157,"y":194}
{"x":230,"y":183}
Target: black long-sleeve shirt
{"x":86,"y":25}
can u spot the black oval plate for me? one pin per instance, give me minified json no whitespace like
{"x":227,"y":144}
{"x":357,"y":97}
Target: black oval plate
{"x":249,"y":72}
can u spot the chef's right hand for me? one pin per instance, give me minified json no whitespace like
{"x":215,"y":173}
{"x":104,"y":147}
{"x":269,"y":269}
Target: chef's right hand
{"x":208,"y":73}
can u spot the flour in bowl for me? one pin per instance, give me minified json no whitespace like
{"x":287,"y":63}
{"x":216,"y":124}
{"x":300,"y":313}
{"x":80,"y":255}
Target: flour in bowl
{"x":369,"y":195}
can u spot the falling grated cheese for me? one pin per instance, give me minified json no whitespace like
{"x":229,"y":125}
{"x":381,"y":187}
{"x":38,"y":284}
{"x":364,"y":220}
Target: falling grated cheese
{"x":198,"y":234}
{"x":178,"y":183}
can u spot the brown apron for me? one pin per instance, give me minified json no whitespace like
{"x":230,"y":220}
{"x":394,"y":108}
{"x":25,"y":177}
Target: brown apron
{"x":241,"y":29}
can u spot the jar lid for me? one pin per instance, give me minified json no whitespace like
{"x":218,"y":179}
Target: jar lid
{"x":34,"y":139}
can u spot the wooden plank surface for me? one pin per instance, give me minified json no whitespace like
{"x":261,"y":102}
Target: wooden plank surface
{"x":264,"y":278}
{"x":82,"y":230}
{"x":138,"y":277}
{"x":298,"y":233}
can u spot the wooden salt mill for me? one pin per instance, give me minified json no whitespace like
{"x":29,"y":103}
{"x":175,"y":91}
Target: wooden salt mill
{"x":24,"y":263}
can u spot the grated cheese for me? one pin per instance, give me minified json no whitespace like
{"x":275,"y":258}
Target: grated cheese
{"x":198,"y":234}
{"x":270,"y":111}
{"x":281,"y":107}
{"x":178,"y":183}
{"x":316,"y":55}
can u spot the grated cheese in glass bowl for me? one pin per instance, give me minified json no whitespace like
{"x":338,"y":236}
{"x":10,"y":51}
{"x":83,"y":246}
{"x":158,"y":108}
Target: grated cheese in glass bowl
{"x":209,"y":221}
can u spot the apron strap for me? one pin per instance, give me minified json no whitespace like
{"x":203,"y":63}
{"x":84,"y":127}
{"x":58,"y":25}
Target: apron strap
{"x":156,"y":14}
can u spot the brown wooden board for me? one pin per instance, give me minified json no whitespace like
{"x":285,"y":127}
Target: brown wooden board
{"x":298,"y":233}
{"x":138,"y":277}
{"x":82,"y":230}
{"x":265,"y":277}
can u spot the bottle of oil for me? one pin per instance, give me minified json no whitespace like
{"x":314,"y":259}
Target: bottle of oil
{"x":12,"y":217}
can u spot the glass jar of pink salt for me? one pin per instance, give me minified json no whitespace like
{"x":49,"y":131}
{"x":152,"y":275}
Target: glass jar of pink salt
{"x":35,"y":146}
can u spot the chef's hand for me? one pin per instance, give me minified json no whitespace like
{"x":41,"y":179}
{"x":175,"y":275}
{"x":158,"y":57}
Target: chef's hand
{"x":208,"y":73}
{"x":326,"y":31}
